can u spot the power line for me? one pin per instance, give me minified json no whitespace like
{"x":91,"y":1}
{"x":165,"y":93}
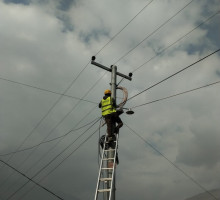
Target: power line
{"x":124,"y":27}
{"x":29,"y":155}
{"x":50,"y":109}
{"x":166,"y":48}
{"x":63,"y":95}
{"x":154,"y":31}
{"x":55,"y":126}
{"x":172,"y":163}
{"x":73,"y":83}
{"x":30,"y":179}
{"x":51,"y":140}
{"x":45,"y":90}
{"x":51,"y":161}
{"x":60,"y":163}
{"x":174,"y":74}
{"x":47,"y":113}
{"x":174,"y":95}
{"x":45,"y":154}
{"x":163,"y":50}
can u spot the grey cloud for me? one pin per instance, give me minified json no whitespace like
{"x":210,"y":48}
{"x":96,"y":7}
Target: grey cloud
{"x":48,"y":43}
{"x":94,"y":35}
{"x":218,"y":72}
{"x":206,"y":196}
{"x":67,"y":25}
{"x":202,"y":148}
{"x":24,"y":2}
{"x":65,"y":5}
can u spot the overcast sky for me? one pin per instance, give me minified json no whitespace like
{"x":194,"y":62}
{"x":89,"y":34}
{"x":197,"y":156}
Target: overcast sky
{"x":46,"y":45}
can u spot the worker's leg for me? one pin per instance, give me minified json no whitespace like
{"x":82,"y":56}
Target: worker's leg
{"x":108,"y":120}
{"x":119,"y":122}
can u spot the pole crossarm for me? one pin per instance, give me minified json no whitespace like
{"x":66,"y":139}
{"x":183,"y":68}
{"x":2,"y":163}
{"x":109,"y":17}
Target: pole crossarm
{"x":110,"y":69}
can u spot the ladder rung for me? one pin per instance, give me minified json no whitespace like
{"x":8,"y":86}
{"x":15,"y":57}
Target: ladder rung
{"x":109,"y":142}
{"x":107,"y":168}
{"x":110,"y":150}
{"x":104,"y":190}
{"x":108,"y":159}
{"x":105,"y":179}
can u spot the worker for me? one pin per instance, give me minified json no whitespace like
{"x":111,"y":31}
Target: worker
{"x":110,"y":114}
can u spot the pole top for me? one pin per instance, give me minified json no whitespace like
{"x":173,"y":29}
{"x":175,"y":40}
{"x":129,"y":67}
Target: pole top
{"x":93,"y":58}
{"x":110,"y":69}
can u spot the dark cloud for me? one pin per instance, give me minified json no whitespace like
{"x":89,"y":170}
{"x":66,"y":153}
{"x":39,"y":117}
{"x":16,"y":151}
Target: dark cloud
{"x":67,"y":25}
{"x":218,"y":72}
{"x":201,"y":149}
{"x":65,"y":5}
{"x":93,"y":35}
{"x":24,"y":2}
{"x":49,"y":43}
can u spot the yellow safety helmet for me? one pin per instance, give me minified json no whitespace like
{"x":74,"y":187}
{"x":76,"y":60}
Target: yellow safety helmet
{"x":107,"y":92}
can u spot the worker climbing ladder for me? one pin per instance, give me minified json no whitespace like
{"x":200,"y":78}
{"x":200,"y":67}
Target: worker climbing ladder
{"x":106,"y":177}
{"x":105,"y":183}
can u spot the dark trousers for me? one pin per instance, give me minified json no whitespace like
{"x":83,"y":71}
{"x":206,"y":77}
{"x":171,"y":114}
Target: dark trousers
{"x":110,"y":120}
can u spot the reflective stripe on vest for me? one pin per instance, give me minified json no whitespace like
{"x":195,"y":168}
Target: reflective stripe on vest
{"x":107,"y":106}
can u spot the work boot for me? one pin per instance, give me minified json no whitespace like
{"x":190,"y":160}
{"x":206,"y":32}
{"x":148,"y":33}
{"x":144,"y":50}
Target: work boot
{"x":110,"y":138}
{"x":111,"y":141}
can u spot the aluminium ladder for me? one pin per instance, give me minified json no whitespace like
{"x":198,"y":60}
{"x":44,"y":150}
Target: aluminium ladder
{"x":105,"y":181}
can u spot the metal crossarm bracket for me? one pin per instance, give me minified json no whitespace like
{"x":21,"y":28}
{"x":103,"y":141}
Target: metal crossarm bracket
{"x":110,"y":69}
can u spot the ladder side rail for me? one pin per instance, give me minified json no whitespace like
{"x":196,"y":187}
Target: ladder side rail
{"x":100,"y":168}
{"x":113,"y":170}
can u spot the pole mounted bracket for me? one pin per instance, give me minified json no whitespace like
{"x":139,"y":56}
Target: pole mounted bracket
{"x":110,"y":69}
{"x":93,"y":58}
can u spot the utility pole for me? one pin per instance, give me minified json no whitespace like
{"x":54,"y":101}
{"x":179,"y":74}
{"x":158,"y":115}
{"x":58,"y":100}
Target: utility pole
{"x":110,"y":154}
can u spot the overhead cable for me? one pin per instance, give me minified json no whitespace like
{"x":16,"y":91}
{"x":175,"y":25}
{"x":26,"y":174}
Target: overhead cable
{"x":166,"y":48}
{"x":163,"y":50}
{"x":174,"y":74}
{"x":30,"y":179}
{"x":70,"y":85}
{"x":50,"y":91}
{"x":21,"y":198}
{"x":154,"y":32}
{"x":42,"y":119}
{"x":51,"y":108}
{"x":54,"y":105}
{"x":45,"y":90}
{"x":29,"y":155}
{"x":51,"y":140}
{"x":174,"y":95}
{"x":47,"y":152}
{"x":47,"y":113}
{"x":52,"y":160}
{"x":124,"y":27}
{"x":172,"y":163}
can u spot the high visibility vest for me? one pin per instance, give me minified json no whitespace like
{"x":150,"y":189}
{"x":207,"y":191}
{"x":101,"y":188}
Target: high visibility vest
{"x":107,"y":106}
